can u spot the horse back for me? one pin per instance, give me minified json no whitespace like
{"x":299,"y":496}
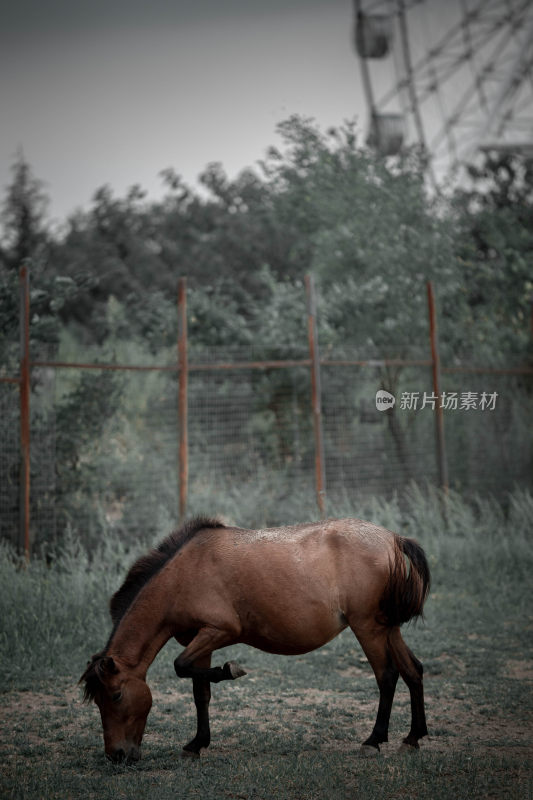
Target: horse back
{"x":289,"y":589}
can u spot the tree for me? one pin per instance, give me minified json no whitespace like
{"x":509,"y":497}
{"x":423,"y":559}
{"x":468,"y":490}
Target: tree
{"x":24,"y":239}
{"x":495,"y":249}
{"x":23,"y":215}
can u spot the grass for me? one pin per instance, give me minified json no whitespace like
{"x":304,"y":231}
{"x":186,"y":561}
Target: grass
{"x":292,"y":727}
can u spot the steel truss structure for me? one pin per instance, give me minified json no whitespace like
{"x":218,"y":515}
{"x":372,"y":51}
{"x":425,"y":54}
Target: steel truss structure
{"x":459,"y":79}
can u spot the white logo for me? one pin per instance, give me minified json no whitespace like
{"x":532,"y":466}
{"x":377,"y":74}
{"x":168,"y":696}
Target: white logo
{"x":384,"y":400}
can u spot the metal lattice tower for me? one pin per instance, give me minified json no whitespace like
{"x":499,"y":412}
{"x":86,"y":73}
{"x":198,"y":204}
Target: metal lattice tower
{"x":454,"y":77}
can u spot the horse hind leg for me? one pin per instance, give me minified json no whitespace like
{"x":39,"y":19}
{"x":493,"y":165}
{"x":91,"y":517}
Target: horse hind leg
{"x":411,"y":670}
{"x":378,"y":653}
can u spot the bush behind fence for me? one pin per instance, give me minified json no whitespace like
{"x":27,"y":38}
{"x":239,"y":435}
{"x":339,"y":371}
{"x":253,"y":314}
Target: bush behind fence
{"x":250,"y":431}
{"x":105,"y":450}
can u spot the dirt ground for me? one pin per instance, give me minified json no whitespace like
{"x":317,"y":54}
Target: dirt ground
{"x":34,"y":714}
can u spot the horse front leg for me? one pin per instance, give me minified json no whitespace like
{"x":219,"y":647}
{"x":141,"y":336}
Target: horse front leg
{"x":201,"y":688}
{"x":195,"y":663}
{"x":229,"y":672}
{"x":203,"y":643}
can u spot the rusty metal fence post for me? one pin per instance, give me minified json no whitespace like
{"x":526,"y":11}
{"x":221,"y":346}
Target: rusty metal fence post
{"x":435,"y":365}
{"x":183,"y":377}
{"x":316,"y":394}
{"x":24,"y":393}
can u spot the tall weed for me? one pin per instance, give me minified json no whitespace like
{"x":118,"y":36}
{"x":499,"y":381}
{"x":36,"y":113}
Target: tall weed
{"x":54,"y":610}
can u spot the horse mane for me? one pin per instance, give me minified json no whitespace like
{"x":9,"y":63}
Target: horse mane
{"x":138,"y":576}
{"x":152,"y":562}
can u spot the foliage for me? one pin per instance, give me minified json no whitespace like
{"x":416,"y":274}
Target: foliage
{"x":320,"y":203}
{"x":23,"y":217}
{"x":495,"y":248}
{"x":26,"y":239}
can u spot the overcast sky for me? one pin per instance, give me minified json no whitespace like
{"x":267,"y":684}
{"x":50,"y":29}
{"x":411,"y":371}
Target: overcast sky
{"x":113,"y":91}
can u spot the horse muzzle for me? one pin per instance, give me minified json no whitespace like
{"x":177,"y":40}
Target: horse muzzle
{"x":124,"y":755}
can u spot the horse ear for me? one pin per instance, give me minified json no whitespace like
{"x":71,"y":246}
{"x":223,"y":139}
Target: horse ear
{"x":95,"y":657}
{"x":106,"y":666}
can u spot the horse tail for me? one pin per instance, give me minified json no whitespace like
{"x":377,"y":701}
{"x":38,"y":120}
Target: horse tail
{"x":408,"y":585}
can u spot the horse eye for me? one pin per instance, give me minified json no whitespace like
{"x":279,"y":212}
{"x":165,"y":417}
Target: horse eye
{"x":116,"y":697}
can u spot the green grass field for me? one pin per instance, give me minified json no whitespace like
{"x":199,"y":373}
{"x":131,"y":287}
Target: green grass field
{"x":292,"y":727}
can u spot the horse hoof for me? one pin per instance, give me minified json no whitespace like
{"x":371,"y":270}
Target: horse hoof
{"x":189,"y":754}
{"x":234,"y":669}
{"x":408,"y":748}
{"x":368,"y":751}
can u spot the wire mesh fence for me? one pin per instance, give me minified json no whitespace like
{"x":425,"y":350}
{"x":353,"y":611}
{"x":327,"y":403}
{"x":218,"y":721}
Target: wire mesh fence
{"x":489,"y":435}
{"x":116,"y":451}
{"x":105,"y":454}
{"x":9,"y":462}
{"x":373,"y":451}
{"x":246,"y":420}
{"x":43,"y":454}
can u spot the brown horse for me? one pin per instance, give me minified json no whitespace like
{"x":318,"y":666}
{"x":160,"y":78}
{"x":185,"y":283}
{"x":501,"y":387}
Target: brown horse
{"x":282,"y":590}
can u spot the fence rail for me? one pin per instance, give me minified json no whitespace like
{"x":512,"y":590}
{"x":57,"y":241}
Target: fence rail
{"x":324,"y":435}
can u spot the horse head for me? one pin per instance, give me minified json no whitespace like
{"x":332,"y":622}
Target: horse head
{"x":124,"y":702}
